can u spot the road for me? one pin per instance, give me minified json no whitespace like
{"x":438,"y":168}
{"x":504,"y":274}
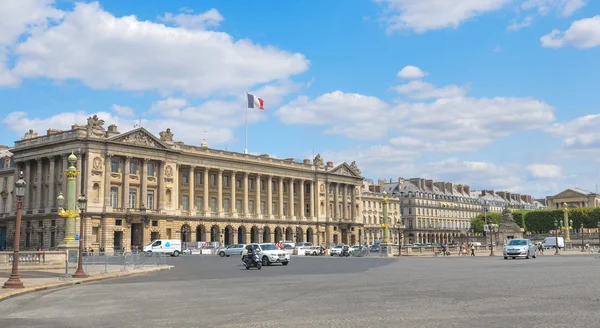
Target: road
{"x":550,"y":291}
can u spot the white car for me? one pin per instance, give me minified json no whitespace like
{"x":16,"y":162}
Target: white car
{"x":269,"y":254}
{"x":336,"y":250}
{"x":519,"y":248}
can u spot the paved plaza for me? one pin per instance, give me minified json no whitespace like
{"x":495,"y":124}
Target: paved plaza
{"x":550,"y":291}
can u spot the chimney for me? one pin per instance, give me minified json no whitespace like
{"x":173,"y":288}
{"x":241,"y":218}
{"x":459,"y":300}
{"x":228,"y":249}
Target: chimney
{"x":265,"y":155}
{"x":483,"y":193}
{"x":492,"y":192}
{"x":459,"y":187}
{"x":112,"y":131}
{"x":440,"y":186}
{"x":415,"y":182}
{"x":329,"y":164}
{"x":429,"y":184}
{"x":449,"y":187}
{"x":306,"y":161}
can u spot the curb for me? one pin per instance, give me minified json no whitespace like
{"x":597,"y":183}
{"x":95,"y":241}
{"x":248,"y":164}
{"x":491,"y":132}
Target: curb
{"x":18,"y":292}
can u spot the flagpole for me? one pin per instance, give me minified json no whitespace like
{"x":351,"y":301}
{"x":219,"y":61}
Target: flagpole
{"x":246,"y":147}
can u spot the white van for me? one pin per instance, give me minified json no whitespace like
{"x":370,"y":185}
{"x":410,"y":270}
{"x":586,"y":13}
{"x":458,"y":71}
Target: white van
{"x":166,"y":246}
{"x":550,"y":242}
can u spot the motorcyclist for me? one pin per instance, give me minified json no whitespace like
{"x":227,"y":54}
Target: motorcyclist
{"x":443,"y":249}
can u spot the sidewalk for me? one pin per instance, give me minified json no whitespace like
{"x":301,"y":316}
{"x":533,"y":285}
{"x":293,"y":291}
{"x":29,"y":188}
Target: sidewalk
{"x":42,"y":278}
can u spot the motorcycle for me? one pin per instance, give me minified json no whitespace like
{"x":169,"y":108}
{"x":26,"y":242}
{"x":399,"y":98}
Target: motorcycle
{"x":345,"y":252}
{"x":253,"y":261}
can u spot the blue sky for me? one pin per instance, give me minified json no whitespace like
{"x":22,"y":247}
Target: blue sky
{"x":498,"y":94}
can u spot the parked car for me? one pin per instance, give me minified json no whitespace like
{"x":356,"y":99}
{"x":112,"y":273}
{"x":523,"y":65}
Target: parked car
{"x":336,"y":250}
{"x":235,"y":249}
{"x":314,"y":250}
{"x":303,"y":245}
{"x":269,"y":254}
{"x":519,"y":248}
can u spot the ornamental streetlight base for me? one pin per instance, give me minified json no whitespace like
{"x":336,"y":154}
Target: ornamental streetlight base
{"x":13,"y":282}
{"x":80,"y":274}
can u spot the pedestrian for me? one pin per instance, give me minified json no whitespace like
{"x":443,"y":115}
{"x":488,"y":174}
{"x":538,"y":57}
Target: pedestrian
{"x":472,"y":249}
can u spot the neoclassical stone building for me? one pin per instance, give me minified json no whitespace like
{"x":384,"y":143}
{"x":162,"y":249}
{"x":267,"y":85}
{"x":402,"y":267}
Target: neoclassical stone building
{"x":574,"y":197}
{"x":372,"y":212}
{"x":193,"y":193}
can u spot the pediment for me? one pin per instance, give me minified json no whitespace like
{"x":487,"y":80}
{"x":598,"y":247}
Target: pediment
{"x":345,"y":169}
{"x":569,"y":193}
{"x":139,"y":137}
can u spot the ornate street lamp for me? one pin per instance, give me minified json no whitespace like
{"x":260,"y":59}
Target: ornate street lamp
{"x":145,"y":218}
{"x":582,"y":246}
{"x":82,"y":202}
{"x":14,"y":281}
{"x":556,"y":237}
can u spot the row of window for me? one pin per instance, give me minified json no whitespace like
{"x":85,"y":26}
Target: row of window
{"x":444,"y":213}
{"x":134,"y":164}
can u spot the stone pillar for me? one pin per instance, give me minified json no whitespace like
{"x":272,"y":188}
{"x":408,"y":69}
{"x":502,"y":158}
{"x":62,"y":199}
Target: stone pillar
{"x":270,"y":196}
{"x":220,"y":192}
{"x":126,"y":183}
{"x":280,"y":189}
{"x":345,"y":213}
{"x":336,"y":203}
{"x":107,"y":164}
{"x":205,"y":199}
{"x":328,"y":215}
{"x":312,"y":199}
{"x":27,"y":199}
{"x":78,"y":167}
{"x":291,"y":199}
{"x":161,"y":186}
{"x":51,"y":198}
{"x":245,"y":201}
{"x":65,"y":166}
{"x":257,"y":211}
{"x":233,"y":201}
{"x":301,"y":199}
{"x":192,"y":189}
{"x":39,"y":184}
{"x":144,"y":183}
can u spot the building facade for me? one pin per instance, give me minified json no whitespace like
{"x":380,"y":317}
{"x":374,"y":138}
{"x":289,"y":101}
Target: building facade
{"x":574,"y":197}
{"x":372,"y":213}
{"x":441,"y":212}
{"x":7,"y":183}
{"x":192,"y":193}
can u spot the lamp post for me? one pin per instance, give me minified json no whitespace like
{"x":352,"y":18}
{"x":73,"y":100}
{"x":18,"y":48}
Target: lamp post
{"x":400,"y":237}
{"x":145,"y":218}
{"x":14,"y":281}
{"x":386,"y":226}
{"x":69,"y":212}
{"x":556,"y":237}
{"x":82,"y":202}
{"x":582,"y":246}
{"x":598,"y":225}
{"x":492,"y":229}
{"x":566,"y":224}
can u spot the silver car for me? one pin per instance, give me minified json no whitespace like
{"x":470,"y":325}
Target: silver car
{"x":235,"y":249}
{"x":519,"y":248}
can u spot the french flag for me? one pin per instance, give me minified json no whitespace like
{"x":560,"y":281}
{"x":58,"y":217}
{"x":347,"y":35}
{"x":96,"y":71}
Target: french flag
{"x":255,"y":102}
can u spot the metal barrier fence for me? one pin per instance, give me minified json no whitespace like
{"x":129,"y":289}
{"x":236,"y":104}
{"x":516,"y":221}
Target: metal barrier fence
{"x":102,"y":263}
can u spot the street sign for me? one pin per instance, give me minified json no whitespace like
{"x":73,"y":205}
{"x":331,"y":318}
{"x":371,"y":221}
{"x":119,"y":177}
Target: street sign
{"x":76,"y":236}
{"x":486,"y":228}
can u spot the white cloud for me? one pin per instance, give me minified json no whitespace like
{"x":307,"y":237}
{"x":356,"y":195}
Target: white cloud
{"x":425,"y":15}
{"x":411,"y":72}
{"x":423,"y":90}
{"x":19,"y":122}
{"x":353,"y":115}
{"x":583,"y":33}
{"x":210,"y":18}
{"x":515,"y":26}
{"x":544,"y":170}
{"x":122,"y":110}
{"x":104,"y":51}
{"x":581,"y":136}
{"x":564,"y":7}
{"x":17,"y":18}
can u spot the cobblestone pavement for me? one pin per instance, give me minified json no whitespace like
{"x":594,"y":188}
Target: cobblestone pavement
{"x":550,"y":291}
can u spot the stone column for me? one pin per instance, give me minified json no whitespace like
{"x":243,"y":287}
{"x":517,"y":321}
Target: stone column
{"x":245,"y":201}
{"x":353,"y":210}
{"x":192,"y":189}
{"x":270,"y":196}
{"x":312,"y":199}
{"x":205,"y":199}
{"x":233,"y":201}
{"x":280,"y":197}
{"x":301,"y":201}
{"x":220,"y":192}
{"x":161,"y":185}
{"x":126,"y":182}
{"x":345,"y":213}
{"x":336,"y":202}
{"x":51,"y":198}
{"x":38,"y":190}
{"x":65,"y":166}
{"x":257,"y":211}
{"x":144,"y":183}
{"x":27,"y":199}
{"x":291,"y":199}
{"x":107,"y":164}
{"x":78,"y":167}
